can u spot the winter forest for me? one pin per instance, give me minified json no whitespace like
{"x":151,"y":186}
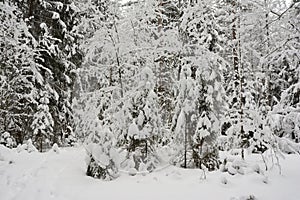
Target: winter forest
{"x":157,"y":99}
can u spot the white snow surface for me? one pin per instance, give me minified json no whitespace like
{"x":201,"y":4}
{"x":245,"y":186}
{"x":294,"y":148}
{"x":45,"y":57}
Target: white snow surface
{"x":46,"y":176}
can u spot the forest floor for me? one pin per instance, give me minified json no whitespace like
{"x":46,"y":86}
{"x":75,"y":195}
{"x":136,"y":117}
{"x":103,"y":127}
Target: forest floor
{"x":61,"y":176}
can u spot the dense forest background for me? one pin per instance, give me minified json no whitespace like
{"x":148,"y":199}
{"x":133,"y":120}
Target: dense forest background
{"x":141,"y":78}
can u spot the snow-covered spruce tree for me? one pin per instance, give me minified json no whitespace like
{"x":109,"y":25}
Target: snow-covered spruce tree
{"x":182,"y":118}
{"x":56,"y":54}
{"x":43,"y":123}
{"x":144,"y":129}
{"x":94,"y":124}
{"x":20,"y":75}
{"x":200,"y":101}
{"x":154,"y":48}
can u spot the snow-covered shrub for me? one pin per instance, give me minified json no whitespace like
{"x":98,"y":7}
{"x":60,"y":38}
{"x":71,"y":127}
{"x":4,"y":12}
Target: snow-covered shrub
{"x":233,"y":163}
{"x":238,"y":166}
{"x":285,"y":119}
{"x":27,"y":146}
{"x":69,"y":137}
{"x":102,"y":158}
{"x":31,"y":147}
{"x":55,"y":148}
{"x":7,"y":140}
{"x":288,"y":146}
{"x":140,"y":152}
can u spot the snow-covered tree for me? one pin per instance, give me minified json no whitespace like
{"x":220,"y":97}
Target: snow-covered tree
{"x":51,"y":24}
{"x":102,"y":160}
{"x":244,"y":81}
{"x":284,"y":59}
{"x":200,"y":100}
{"x":42,"y":124}
{"x":19,"y":74}
{"x":288,"y":125}
{"x":141,"y":111}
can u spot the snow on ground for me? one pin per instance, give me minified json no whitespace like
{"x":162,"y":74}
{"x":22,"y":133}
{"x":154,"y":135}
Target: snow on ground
{"x":61,"y":176}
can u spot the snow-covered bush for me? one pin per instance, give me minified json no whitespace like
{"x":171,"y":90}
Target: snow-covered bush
{"x":141,"y":155}
{"x":236,"y":165}
{"x":55,"y":148}
{"x":69,"y":137}
{"x":7,"y":140}
{"x":286,"y":121}
{"x":27,"y":146}
{"x":288,"y":146}
{"x":102,"y":158}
